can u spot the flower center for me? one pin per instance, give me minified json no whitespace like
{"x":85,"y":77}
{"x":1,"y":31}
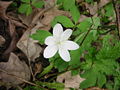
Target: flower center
{"x":58,"y":43}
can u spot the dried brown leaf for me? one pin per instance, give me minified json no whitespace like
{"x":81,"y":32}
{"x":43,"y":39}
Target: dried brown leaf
{"x":27,"y":20}
{"x":15,"y":67}
{"x":95,"y":88}
{"x":49,"y":3}
{"x":38,"y":68}
{"x":3,"y":7}
{"x":93,"y":9}
{"x":103,"y":3}
{"x":29,"y":46}
{"x":69,"y":80}
{"x":50,"y":15}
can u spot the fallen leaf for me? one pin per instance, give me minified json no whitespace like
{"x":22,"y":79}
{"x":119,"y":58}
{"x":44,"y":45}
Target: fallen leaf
{"x":49,"y":3}
{"x":103,"y":3}
{"x":27,"y":20}
{"x":50,"y":15}
{"x":69,"y":80}
{"x":14,"y":39}
{"x":3,"y":7}
{"x":38,"y":68}
{"x":95,"y":88}
{"x":15,"y":67}
{"x":93,"y":9}
{"x":29,"y":46}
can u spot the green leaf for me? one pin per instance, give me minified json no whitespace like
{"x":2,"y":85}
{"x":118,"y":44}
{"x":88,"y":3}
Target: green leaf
{"x":101,"y":80}
{"x":91,"y":77}
{"x":75,"y":13}
{"x":68,"y":4}
{"x":39,"y":4}
{"x":84,"y":26}
{"x":89,"y":1}
{"x":65,"y":21}
{"x":60,"y":1}
{"x":95,"y":21}
{"x":109,"y":10}
{"x":23,"y":8}
{"x":40,"y":35}
{"x":26,"y":1}
{"x":29,"y":10}
{"x":60,"y":64}
{"x":53,"y":85}
{"x":46,"y":70}
{"x":75,"y":72}
{"x":75,"y":57}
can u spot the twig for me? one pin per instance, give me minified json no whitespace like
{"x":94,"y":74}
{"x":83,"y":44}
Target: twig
{"x":21,"y":79}
{"x":116,"y":8}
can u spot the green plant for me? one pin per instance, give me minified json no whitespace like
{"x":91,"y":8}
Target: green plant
{"x":27,"y":5}
{"x":99,"y":52}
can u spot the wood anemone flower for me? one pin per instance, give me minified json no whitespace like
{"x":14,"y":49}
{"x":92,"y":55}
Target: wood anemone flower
{"x":59,"y":43}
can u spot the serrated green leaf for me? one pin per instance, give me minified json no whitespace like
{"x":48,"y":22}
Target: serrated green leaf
{"x":101,"y":80}
{"x":38,"y":4}
{"x":40,"y":35}
{"x":65,"y":21}
{"x":90,"y":79}
{"x":109,"y":10}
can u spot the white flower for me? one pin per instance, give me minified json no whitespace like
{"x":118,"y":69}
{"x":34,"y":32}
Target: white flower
{"x":59,"y":42}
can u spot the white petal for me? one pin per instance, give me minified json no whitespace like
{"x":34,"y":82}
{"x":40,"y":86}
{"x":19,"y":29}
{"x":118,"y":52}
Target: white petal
{"x":70,"y":45}
{"x":50,"y":40}
{"x":66,"y":34}
{"x":57,"y":30}
{"x":50,"y":51}
{"x":64,"y":54}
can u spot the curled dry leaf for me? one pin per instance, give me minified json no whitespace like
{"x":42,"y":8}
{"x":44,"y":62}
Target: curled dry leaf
{"x":29,"y":46}
{"x":3,"y":7}
{"x":15,"y":67}
{"x":69,"y":80}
